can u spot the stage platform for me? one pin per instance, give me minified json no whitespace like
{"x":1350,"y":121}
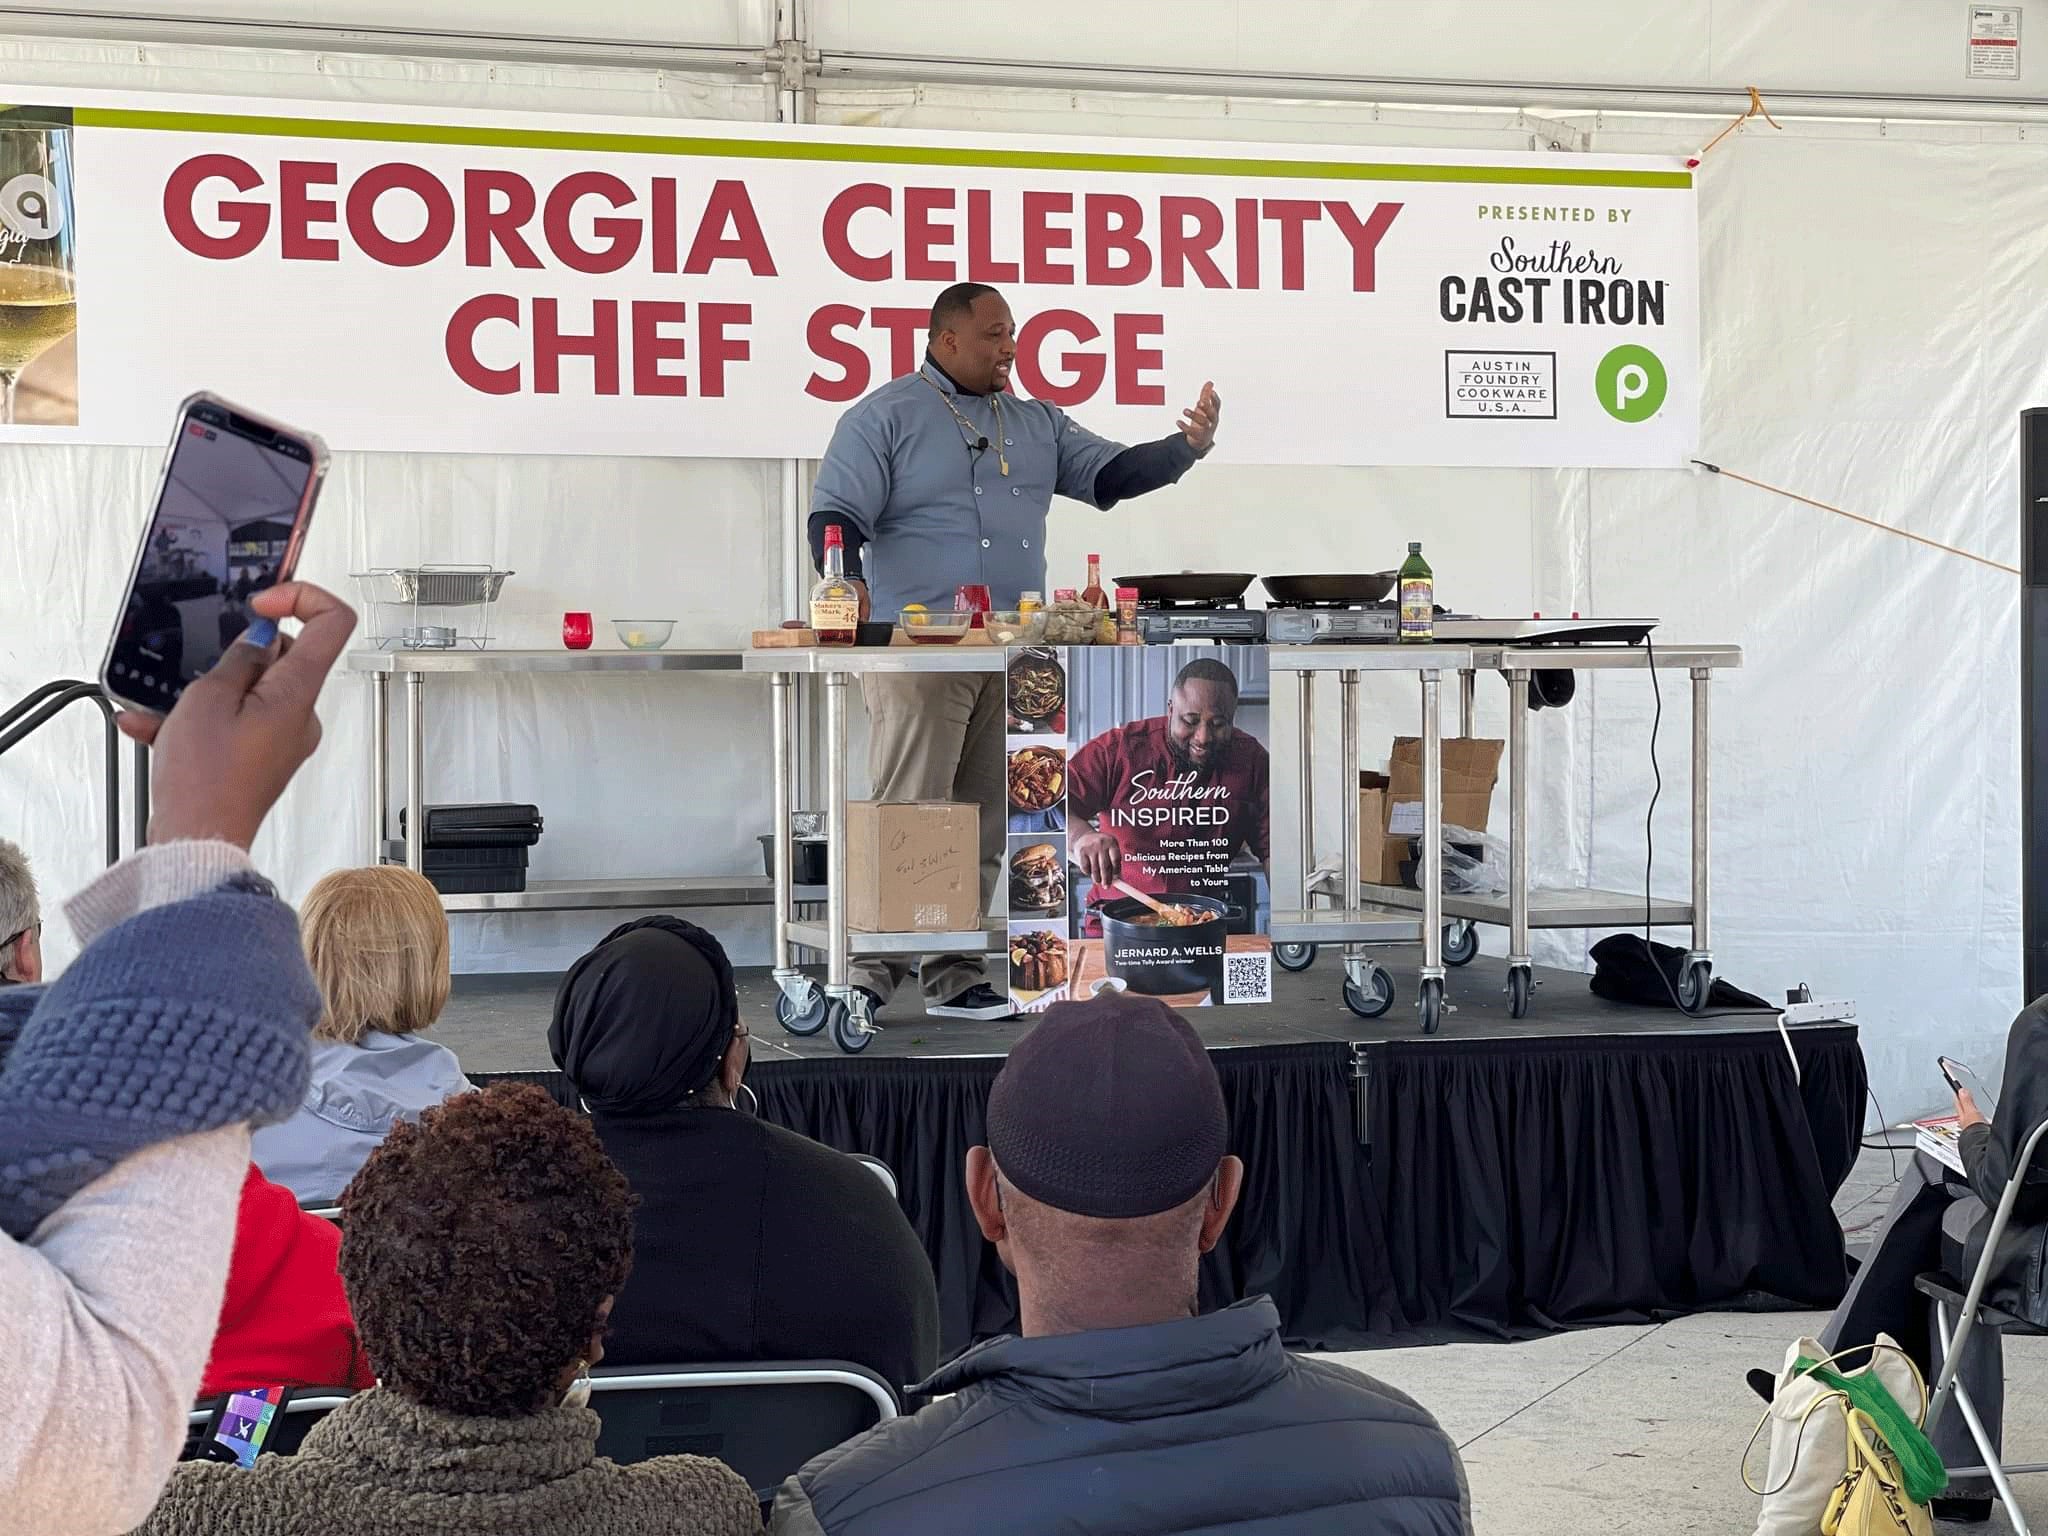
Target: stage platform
{"x":1591,"y":1163}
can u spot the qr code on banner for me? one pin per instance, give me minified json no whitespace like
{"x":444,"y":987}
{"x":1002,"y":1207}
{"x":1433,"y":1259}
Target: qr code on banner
{"x":1248,"y":978}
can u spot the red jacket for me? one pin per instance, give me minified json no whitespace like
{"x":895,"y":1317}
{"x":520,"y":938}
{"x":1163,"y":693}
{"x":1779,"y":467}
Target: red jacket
{"x":285,"y":1319}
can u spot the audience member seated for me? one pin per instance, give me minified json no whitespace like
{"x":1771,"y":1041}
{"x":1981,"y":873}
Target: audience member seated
{"x":128,"y":1088}
{"x":21,"y":919}
{"x":378,"y":942}
{"x":1120,"y":1409}
{"x":1937,"y":1222}
{"x":482,"y":1248}
{"x":285,"y":1320}
{"x":753,"y":1243}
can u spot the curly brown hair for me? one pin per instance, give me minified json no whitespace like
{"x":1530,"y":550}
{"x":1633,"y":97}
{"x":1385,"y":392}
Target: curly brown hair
{"x":477,"y":1247}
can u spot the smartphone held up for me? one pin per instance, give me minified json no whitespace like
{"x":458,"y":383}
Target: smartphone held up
{"x":232,"y":506}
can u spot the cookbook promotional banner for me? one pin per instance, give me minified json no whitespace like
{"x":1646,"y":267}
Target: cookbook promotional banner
{"x":449,"y":280}
{"x":1138,"y":854}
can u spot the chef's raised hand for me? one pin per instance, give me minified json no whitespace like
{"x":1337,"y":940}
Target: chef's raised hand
{"x":865,"y":603}
{"x":1100,"y":856}
{"x":237,"y":735}
{"x":1198,"y":421}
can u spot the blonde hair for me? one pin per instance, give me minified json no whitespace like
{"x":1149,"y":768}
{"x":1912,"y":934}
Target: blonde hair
{"x":377,"y":940}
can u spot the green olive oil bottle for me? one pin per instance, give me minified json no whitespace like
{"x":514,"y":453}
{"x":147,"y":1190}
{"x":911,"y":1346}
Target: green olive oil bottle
{"x":1418,"y":598}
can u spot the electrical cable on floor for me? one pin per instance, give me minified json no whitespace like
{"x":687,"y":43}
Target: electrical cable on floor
{"x":1884,"y":1125}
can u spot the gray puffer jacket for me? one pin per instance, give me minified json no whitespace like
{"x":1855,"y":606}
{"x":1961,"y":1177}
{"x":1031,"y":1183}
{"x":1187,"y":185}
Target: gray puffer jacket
{"x":1205,"y":1424}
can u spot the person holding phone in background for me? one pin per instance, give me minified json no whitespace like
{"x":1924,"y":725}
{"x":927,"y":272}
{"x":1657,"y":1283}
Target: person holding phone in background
{"x":1937,"y":1221}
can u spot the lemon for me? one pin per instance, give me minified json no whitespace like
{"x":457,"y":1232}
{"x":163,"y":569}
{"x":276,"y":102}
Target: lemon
{"x":913,"y":608}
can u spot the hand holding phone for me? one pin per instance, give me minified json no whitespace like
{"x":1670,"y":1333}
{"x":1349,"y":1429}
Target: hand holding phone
{"x":238,"y":734}
{"x":1973,"y":1100}
{"x":233,"y":502}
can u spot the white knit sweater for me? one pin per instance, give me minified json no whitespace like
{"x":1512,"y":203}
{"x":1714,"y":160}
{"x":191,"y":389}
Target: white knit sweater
{"x":107,"y":1312}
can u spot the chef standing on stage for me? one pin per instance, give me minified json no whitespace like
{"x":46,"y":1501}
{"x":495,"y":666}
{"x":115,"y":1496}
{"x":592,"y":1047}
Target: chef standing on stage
{"x":941,"y":479}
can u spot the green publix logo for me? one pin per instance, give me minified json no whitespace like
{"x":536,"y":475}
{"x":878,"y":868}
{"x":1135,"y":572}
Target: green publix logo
{"x":1560,"y":284}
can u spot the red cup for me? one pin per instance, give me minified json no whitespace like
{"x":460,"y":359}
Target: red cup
{"x":576,"y":631}
{"x":972,"y":598}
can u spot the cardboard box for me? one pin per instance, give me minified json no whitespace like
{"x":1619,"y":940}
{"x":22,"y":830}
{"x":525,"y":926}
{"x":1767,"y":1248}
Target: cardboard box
{"x":913,"y":868}
{"x":1471,"y":767}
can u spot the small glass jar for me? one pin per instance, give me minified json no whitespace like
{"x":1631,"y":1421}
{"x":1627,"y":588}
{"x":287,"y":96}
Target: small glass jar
{"x":1127,"y":617}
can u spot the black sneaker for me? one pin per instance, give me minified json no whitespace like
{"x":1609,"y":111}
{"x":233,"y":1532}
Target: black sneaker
{"x":1763,"y":1384}
{"x":1964,"y":1511}
{"x":980,"y":1001}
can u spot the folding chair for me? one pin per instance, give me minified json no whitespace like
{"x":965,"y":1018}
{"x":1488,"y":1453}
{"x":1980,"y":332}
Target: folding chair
{"x":303,"y":1408}
{"x":764,"y":1420}
{"x":1971,"y":1312}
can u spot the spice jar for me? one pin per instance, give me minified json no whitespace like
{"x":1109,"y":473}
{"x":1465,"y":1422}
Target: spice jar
{"x":1127,"y":617}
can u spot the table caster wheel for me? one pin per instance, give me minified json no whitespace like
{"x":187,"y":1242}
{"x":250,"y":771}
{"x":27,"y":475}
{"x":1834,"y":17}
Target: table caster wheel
{"x":1430,"y":999}
{"x":1694,"y":983}
{"x":1372,"y":999}
{"x":1294,"y":957}
{"x":1461,"y":943}
{"x":1520,"y":985}
{"x":848,"y":1033}
{"x":806,"y":1021}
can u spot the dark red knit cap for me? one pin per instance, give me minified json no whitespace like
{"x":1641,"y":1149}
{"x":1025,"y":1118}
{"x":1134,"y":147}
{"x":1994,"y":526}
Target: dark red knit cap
{"x":1108,"y":1108}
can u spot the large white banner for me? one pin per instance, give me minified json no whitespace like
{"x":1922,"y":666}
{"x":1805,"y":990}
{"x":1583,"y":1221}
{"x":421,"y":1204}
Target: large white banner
{"x":526,"y":283}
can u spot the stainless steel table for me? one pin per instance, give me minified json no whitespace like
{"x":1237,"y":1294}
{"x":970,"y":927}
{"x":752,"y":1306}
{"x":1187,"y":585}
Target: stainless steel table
{"x":1356,"y":923}
{"x":1520,"y":911}
{"x":658,"y":894}
{"x":804,"y":1008}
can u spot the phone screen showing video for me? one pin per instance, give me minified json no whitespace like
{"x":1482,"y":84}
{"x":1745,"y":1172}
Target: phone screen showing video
{"x":244,"y":1422}
{"x":219,"y":536}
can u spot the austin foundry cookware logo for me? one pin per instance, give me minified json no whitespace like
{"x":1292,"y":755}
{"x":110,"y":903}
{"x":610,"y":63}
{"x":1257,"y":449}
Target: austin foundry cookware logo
{"x":1554,"y":282}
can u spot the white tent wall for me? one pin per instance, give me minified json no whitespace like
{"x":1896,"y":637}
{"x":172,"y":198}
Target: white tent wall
{"x":1871,"y":324}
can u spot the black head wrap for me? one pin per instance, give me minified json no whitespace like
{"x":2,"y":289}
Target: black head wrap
{"x":643,"y":1020}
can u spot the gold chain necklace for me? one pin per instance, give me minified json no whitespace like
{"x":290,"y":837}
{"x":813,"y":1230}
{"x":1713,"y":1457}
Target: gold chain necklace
{"x":968,"y":431}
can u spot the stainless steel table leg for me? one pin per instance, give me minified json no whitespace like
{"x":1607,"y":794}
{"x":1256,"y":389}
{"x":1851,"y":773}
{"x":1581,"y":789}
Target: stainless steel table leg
{"x":1468,"y":702}
{"x":1305,"y":696}
{"x":1431,"y":871}
{"x":1347,"y":765}
{"x":781,"y":712}
{"x":835,"y":834}
{"x":380,"y":763}
{"x":415,"y":772}
{"x":1702,"y":851}
{"x":1518,"y":819}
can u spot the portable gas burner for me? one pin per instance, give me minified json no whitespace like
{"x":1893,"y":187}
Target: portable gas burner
{"x":1163,"y":621}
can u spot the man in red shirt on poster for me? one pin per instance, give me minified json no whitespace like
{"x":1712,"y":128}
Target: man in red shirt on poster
{"x":1165,"y":803}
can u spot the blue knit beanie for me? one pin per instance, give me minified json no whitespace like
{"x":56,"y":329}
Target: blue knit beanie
{"x":186,"y":1017}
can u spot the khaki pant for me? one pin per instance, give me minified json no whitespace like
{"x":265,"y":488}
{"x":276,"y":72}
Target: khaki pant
{"x":938,"y":736}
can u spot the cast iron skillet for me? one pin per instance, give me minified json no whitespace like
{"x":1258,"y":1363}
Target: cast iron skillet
{"x":1189,"y":587}
{"x":1329,"y":589}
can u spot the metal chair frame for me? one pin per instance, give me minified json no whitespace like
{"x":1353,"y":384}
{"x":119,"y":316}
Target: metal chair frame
{"x":1947,"y":1387}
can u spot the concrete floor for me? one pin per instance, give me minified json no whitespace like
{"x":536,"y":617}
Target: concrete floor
{"x":1611,"y":1430}
{"x":1641,"y":1429}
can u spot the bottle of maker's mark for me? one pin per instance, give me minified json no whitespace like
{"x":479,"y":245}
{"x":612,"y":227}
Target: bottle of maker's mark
{"x":835,"y":601}
{"x":1418,"y":598}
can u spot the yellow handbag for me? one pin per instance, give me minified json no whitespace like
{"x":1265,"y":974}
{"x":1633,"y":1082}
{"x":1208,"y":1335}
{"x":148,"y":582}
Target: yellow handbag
{"x":1870,"y":1500}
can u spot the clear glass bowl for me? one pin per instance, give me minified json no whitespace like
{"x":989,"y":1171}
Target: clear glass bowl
{"x":936,"y":626}
{"x":1007,"y":626}
{"x":643,"y":634}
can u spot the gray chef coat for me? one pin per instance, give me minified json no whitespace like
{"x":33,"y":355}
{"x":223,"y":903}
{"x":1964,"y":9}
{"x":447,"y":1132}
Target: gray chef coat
{"x":937,"y":515}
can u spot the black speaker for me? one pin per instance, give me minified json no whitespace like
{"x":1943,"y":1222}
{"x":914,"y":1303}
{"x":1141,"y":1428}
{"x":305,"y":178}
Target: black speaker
{"x":2034,"y":698}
